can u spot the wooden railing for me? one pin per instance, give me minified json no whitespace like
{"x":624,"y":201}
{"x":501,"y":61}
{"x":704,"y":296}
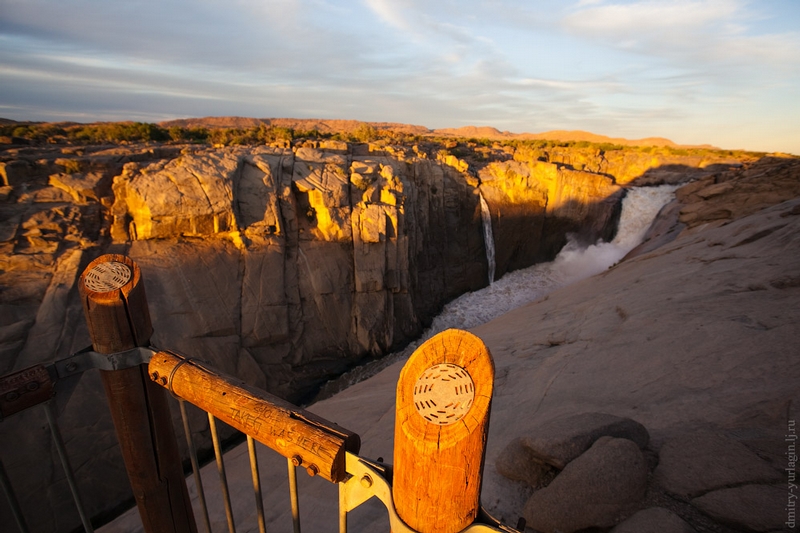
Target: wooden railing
{"x":443,"y":401}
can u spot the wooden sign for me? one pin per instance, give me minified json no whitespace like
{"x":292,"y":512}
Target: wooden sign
{"x":24,"y":389}
{"x":442,"y":417}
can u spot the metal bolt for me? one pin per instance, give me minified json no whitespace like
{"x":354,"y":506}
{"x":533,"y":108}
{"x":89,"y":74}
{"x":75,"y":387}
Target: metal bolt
{"x":72,"y":366}
{"x":297,"y":460}
{"x":32,"y":386}
{"x":163,"y":381}
{"x":11,"y":396}
{"x":312,"y":470}
{"x":155,"y":376}
{"x":366,"y":481}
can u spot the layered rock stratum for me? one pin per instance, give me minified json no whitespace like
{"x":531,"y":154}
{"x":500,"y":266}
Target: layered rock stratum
{"x":287,"y":265}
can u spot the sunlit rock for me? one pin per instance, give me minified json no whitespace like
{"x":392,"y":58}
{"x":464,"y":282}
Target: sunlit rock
{"x":288,"y":266}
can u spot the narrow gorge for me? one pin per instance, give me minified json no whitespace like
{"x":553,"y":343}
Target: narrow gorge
{"x":284,"y":266}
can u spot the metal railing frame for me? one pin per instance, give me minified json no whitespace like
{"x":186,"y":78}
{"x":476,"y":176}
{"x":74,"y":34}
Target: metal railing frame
{"x":361,"y":480}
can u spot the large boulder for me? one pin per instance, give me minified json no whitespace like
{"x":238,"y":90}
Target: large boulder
{"x":559,"y":441}
{"x":186,"y":196}
{"x":598,"y":489}
{"x":520,"y":463}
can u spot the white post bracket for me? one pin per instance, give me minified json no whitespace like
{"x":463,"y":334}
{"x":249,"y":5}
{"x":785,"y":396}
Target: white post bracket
{"x":369,"y":479}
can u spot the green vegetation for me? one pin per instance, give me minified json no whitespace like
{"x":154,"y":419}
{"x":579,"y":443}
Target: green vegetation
{"x":119,"y":132}
{"x":195,"y":135}
{"x":262,"y":134}
{"x":32,"y":132}
{"x":367,"y":133}
{"x":111,"y":132}
{"x":471,"y":149}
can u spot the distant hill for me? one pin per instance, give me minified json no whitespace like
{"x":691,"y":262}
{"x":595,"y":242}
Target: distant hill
{"x":301,"y":124}
{"x":479,"y":132}
{"x":330,"y":126}
{"x":486,"y":132}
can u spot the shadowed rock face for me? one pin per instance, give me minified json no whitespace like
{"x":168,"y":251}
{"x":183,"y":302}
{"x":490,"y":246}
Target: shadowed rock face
{"x":280,"y":266}
{"x":319,"y":257}
{"x":341,"y":255}
{"x":535,"y":205}
{"x":692,"y":336}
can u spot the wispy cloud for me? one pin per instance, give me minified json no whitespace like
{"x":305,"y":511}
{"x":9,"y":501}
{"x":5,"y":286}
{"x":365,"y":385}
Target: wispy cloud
{"x":709,"y":31}
{"x":425,"y":22}
{"x":646,"y":16}
{"x":391,"y":12}
{"x":620,"y":67}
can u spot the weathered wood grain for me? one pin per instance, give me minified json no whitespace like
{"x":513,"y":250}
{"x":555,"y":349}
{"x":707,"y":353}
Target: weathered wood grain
{"x":310,"y":441}
{"x":119,"y":320}
{"x":438,"y":468}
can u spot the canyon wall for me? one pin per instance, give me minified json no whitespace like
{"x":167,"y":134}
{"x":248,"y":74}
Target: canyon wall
{"x":283,"y":266}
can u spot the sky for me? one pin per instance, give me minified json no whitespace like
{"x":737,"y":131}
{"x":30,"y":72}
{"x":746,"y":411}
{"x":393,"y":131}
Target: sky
{"x":721,"y":72}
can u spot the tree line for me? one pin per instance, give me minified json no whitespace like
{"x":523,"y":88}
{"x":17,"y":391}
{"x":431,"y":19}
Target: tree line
{"x":143,"y":132}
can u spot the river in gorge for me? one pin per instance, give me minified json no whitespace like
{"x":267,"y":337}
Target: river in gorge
{"x":515,"y":289}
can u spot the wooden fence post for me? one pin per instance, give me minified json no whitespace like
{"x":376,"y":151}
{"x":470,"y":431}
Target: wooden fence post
{"x":442,"y":417}
{"x":116,"y":311}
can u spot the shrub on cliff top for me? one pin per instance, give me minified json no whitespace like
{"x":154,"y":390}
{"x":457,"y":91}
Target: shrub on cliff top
{"x":193,"y":134}
{"x":32,"y":132}
{"x":117,"y":132}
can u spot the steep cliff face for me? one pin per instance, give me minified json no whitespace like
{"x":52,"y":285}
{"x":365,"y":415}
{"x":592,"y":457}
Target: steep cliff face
{"x":292,"y":263}
{"x":319,"y":256}
{"x":535,"y":205}
{"x":282,"y":266}
{"x":341,"y":254}
{"x":646,"y":166}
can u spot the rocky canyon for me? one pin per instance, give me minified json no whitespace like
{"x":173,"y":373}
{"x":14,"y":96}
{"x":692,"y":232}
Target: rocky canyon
{"x":287,"y":264}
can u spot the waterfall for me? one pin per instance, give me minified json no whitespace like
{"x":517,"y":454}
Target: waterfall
{"x":515,"y":289}
{"x":488,"y":237}
{"x":573,"y":263}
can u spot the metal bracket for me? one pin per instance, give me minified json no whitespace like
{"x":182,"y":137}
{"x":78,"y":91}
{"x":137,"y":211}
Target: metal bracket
{"x":87,"y":359}
{"x":37,"y":384}
{"x":368,"y":479}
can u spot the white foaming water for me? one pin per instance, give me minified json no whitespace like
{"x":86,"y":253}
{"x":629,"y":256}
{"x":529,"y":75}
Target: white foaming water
{"x":573,"y":263}
{"x":515,"y":289}
{"x":488,"y":237}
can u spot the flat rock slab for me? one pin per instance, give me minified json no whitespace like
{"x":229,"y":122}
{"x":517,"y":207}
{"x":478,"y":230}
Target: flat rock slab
{"x":559,"y":441}
{"x":654,"y":520}
{"x":598,"y":489}
{"x":750,"y":507}
{"x":692,"y":465}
